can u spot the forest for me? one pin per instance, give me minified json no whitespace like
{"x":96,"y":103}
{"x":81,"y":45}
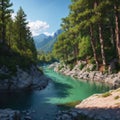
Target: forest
{"x":16,"y":42}
{"x":91,"y":33}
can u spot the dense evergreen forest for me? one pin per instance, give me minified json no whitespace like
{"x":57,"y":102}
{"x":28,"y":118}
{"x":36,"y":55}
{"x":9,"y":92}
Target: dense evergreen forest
{"x":16,"y":42}
{"x":91,"y":33}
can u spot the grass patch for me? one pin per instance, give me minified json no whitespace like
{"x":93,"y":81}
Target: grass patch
{"x":116,"y":97}
{"x":106,"y":94}
{"x":71,"y":104}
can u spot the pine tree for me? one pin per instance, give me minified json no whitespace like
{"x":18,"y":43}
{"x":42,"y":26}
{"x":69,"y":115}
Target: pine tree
{"x":20,"y":29}
{"x":22,"y":36}
{"x":5,"y":12}
{"x":116,"y":4}
{"x":84,"y":11}
{"x":9,"y":32}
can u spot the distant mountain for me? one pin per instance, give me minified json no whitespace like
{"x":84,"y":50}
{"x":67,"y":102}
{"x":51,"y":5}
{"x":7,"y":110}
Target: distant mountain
{"x":39,"y":39}
{"x":44,"y":42}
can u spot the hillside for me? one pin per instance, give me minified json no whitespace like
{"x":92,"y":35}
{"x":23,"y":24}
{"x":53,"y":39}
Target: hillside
{"x":44,"y":42}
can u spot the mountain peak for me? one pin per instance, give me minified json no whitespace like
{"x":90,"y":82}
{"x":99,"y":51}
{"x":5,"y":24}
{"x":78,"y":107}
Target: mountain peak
{"x":45,"y":42}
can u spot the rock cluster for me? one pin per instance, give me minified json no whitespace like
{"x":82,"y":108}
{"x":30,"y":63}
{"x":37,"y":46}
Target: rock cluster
{"x":67,"y":115}
{"x":8,"y":114}
{"x":87,"y":73}
{"x":89,"y":114}
{"x":95,"y":107}
{"x":23,"y":79}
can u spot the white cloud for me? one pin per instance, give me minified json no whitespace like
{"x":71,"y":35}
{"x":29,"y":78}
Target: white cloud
{"x":38,"y":27}
{"x":49,"y":34}
{"x":13,"y":15}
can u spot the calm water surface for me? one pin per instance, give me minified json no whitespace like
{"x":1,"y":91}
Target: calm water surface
{"x":46,"y":103}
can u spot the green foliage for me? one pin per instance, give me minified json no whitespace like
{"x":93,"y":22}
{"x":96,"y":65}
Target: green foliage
{"x":94,"y":67}
{"x":84,"y":47}
{"x":16,"y":42}
{"x":71,"y":66}
{"x":106,"y":94}
{"x":88,"y":69}
{"x":60,"y":67}
{"x":90,"y":31}
{"x":71,"y":104}
{"x":45,"y":57}
{"x":5,"y":12}
{"x":92,"y":61}
{"x":105,"y":70}
{"x":81,"y":66}
{"x":116,"y":97}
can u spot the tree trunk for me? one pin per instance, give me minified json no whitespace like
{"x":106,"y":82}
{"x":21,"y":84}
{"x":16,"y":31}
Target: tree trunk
{"x":102,"y":45}
{"x":112,"y":32}
{"x":101,"y":37}
{"x":112,"y":36}
{"x":117,"y":30}
{"x":93,"y":47}
{"x":75,"y":52}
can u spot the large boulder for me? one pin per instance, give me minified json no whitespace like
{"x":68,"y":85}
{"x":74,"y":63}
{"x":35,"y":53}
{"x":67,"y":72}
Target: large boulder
{"x":24,"y":79}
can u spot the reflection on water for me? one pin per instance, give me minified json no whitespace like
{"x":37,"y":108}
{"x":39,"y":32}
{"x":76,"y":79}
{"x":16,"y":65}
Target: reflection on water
{"x":61,"y":89}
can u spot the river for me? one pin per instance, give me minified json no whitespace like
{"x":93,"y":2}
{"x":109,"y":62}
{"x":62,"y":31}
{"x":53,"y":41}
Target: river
{"x":46,"y":103}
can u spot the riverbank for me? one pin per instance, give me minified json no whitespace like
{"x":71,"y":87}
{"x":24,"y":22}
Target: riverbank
{"x":85,"y":71}
{"x":104,"y":106}
{"x":8,"y":114}
{"x":23,"y":80}
{"x":97,"y":107}
{"x":28,"y":79}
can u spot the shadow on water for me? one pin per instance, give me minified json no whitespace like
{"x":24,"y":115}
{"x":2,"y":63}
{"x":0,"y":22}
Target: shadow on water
{"x":47,"y":102}
{"x":15,"y":100}
{"x":62,"y":89}
{"x":69,"y":90}
{"x":61,"y":92}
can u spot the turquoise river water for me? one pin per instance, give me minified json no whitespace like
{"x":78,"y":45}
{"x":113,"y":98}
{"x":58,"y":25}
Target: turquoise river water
{"x":46,"y":103}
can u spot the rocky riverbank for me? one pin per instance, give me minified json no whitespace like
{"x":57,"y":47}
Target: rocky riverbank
{"x":97,"y":107}
{"x":8,"y":114}
{"x":28,"y":79}
{"x":85,"y":71}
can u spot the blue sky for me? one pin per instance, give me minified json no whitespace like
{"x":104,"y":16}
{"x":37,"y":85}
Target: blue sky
{"x":44,"y":16}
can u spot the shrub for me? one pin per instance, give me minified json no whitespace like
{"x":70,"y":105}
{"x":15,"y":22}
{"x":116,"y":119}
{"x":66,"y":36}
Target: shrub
{"x":94,"y":67}
{"x":81,"y":66}
{"x":92,"y":61}
{"x":71,"y":66}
